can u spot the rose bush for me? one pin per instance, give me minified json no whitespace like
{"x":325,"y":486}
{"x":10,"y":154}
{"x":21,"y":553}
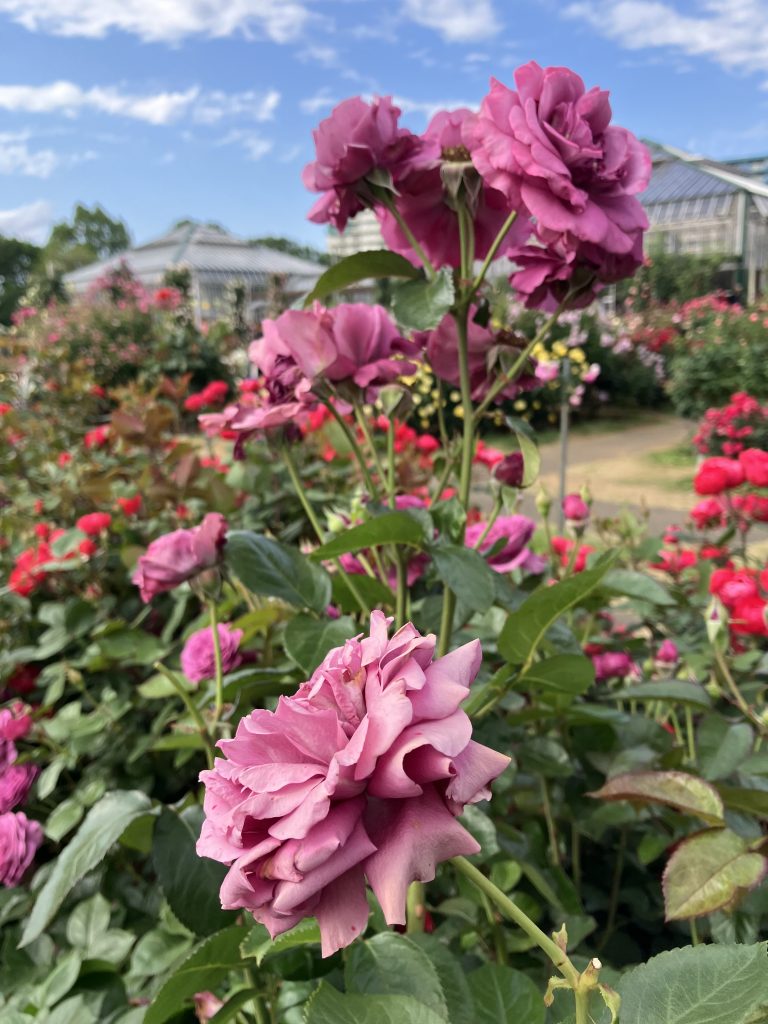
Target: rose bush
{"x":551,"y":764}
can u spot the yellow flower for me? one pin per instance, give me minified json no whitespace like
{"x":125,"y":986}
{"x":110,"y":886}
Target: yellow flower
{"x":559,"y":349}
{"x":458,"y":412}
{"x":577,"y":355}
{"x":455,"y":396}
{"x":520,"y":404}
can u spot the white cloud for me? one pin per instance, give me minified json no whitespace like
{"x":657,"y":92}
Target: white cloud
{"x":154,"y":108}
{"x":161,"y":20}
{"x":255,"y":145}
{"x":734,"y":33}
{"x":322,"y":100}
{"x":17,"y":158}
{"x":455,"y":20}
{"x":31,"y":222}
{"x":327,"y":56}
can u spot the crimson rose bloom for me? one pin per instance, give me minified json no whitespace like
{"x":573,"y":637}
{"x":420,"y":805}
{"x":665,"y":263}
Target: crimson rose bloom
{"x":575,"y":509}
{"x":355,"y":140}
{"x":94,"y":523}
{"x":551,"y":149}
{"x":718,"y":474}
{"x":179,"y":556}
{"x":360,"y":775}
{"x":19,"y":840}
{"x":755,"y":464}
{"x":198,"y":660}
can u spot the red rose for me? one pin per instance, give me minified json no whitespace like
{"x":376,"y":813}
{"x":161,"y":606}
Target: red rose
{"x":94,"y":523}
{"x":754,"y":462}
{"x":717,"y":475}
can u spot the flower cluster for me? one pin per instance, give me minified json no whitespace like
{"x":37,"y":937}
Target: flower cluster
{"x":731,"y":429}
{"x":744,"y":593}
{"x":359,"y":776}
{"x":19,"y":836}
{"x":213,"y":394}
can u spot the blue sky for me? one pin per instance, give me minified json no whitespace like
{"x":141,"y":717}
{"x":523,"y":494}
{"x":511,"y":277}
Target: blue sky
{"x":160,"y":109}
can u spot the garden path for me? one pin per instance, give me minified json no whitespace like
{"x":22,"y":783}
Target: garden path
{"x":621,"y":472}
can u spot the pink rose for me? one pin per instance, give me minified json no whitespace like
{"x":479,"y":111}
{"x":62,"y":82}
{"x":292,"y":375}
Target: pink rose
{"x":755,"y":464}
{"x":424,"y":205}
{"x":14,"y":723}
{"x":198,"y":660}
{"x":575,"y":509}
{"x":612,"y":664}
{"x":484,"y":350}
{"x":15,"y":783}
{"x":550,"y":148}
{"x":360,"y":775}
{"x":19,"y":841}
{"x":508,"y":540}
{"x":179,"y":556}
{"x":355,"y":140}
{"x":668,"y":653}
{"x":511,"y":470}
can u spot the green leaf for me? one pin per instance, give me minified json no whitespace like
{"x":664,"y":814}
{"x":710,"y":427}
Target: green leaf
{"x":392,"y":965}
{"x":276,"y":570}
{"x":88,"y":921}
{"x":190,"y":883}
{"x":528,"y":449}
{"x":453,"y":981}
{"x":467,"y":573}
{"x":481,"y":827}
{"x":697,"y":985}
{"x":308,"y":640}
{"x":525,"y":629}
{"x":421,"y":305}
{"x":677,"y":691}
{"x":629,"y":583}
{"x":329,"y":1006}
{"x":131,"y":647}
{"x":707,"y":872}
{"x":206,"y":966}
{"x":685,"y":793}
{"x":396,"y":527}
{"x":360,"y":267}
{"x":505,"y":996}
{"x":721,"y":746}
{"x":741,"y":798}
{"x":259,"y":945}
{"x":63,"y":818}
{"x":103,"y":826}
{"x":375,"y":593}
{"x":231,"y":1008}
{"x":564,"y":673}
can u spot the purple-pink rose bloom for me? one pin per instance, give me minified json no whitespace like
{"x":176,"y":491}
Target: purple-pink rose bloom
{"x":612,"y":664}
{"x":507,"y":539}
{"x":668,"y":653}
{"x":511,"y":470}
{"x":551,"y":149}
{"x":19,"y":841}
{"x":360,"y":775}
{"x":355,"y":140}
{"x":484,"y":350}
{"x":179,"y":556}
{"x":423,"y":203}
{"x":198,"y":660}
{"x":15,"y":783}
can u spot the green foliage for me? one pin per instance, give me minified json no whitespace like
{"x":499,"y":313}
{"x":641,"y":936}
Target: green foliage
{"x":672,"y":277}
{"x":17,"y":261}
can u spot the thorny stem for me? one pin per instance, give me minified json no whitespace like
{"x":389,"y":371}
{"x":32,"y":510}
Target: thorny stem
{"x":366,"y":432}
{"x":189,"y":704}
{"x":415,"y":908}
{"x":352,"y":441}
{"x":738,"y":697}
{"x":497,"y":507}
{"x":490,"y":257}
{"x":615,"y":889}
{"x":429,"y":270}
{"x":219,"y":704}
{"x":510,"y":910}
{"x":551,"y":827}
{"x":293,"y":473}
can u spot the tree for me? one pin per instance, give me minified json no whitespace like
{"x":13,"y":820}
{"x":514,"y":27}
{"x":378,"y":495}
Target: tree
{"x":91,"y":235}
{"x":17,"y":260}
{"x":304,"y":252}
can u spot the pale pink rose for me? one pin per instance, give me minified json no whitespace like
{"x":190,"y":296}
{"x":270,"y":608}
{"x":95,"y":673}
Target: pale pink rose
{"x":179,"y":556}
{"x":547,"y":372}
{"x":19,"y":840}
{"x":592,"y":373}
{"x":612,"y":664}
{"x":360,"y":775}
{"x":575,"y":509}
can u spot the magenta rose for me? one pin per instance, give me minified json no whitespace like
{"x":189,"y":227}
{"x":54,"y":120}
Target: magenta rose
{"x":668,"y":654}
{"x":611,"y":665}
{"x":15,"y":783}
{"x":575,"y":509}
{"x":506,"y":544}
{"x":551,"y":149}
{"x":484,"y":351}
{"x":360,"y":775}
{"x":352,"y":342}
{"x":175,"y":557}
{"x":425,"y":207}
{"x":14,"y":723}
{"x":357,"y":139}
{"x":511,"y":470}
{"x":19,"y":841}
{"x":198,"y":660}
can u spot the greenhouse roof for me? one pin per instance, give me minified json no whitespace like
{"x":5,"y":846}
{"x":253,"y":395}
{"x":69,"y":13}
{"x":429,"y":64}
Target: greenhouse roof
{"x":210,"y":253}
{"x":678,"y":175}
